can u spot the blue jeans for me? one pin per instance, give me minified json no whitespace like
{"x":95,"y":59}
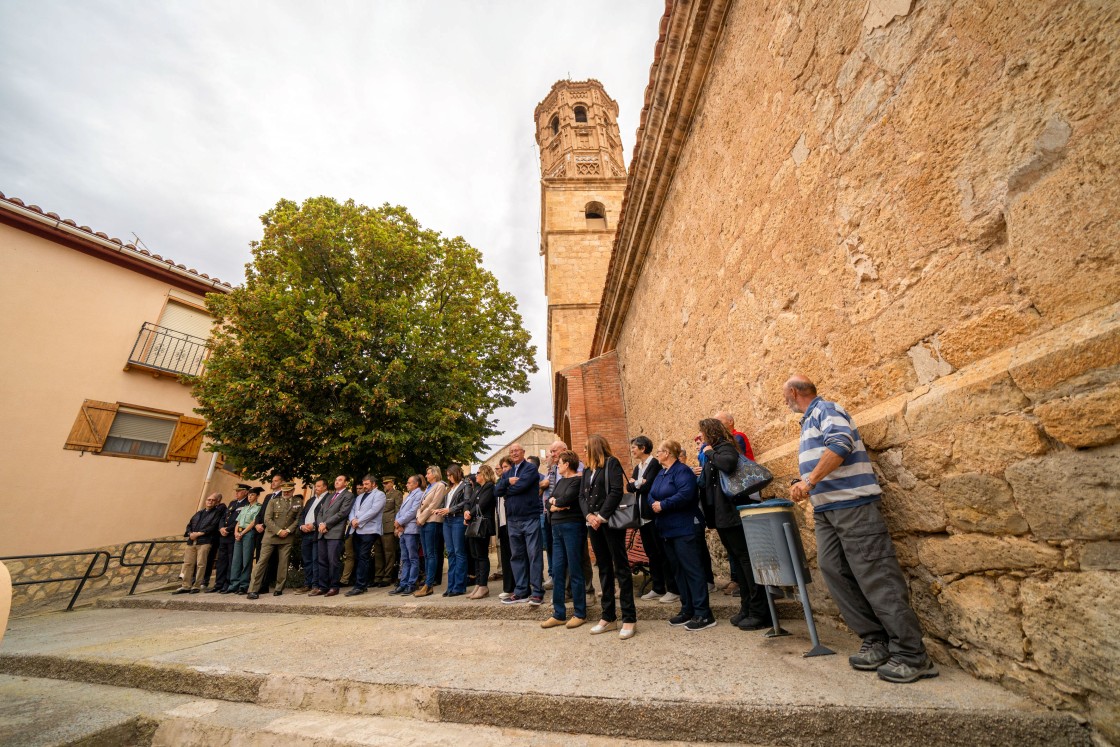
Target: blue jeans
{"x":309,"y":552}
{"x":687,"y":561}
{"x":546,"y":535}
{"x":242,"y":563}
{"x":568,"y":540}
{"x":429,"y":538}
{"x":363,"y":549}
{"x":525,"y":555}
{"x":410,"y":560}
{"x":455,"y":540}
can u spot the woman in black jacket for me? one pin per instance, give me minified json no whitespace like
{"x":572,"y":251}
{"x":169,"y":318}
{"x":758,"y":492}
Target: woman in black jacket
{"x":454,"y":537}
{"x":722,"y":455}
{"x":600,"y":494}
{"x":482,"y":502}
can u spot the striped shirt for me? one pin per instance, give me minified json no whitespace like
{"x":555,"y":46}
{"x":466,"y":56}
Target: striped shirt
{"x":826,"y":425}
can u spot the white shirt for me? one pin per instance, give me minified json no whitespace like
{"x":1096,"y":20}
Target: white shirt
{"x":314,"y":506}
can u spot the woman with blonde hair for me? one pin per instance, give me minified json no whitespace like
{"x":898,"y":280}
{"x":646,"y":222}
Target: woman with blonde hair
{"x":482,"y":502}
{"x":430,"y":520}
{"x":600,"y":495}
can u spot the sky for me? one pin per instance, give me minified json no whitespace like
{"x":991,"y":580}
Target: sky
{"x":182,"y":122}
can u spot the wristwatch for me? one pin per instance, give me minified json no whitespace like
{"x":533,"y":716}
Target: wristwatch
{"x":810,"y":483}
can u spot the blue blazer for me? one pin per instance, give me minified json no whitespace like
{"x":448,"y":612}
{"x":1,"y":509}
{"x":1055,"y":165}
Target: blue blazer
{"x":680,"y":513}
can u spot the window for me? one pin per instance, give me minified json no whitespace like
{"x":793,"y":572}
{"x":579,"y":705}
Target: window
{"x":596,"y":215}
{"x":125,"y":430}
{"x":139,"y":434}
{"x":581,"y":114}
{"x":555,"y":125}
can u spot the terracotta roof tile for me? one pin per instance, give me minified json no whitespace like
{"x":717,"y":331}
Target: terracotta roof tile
{"x":130,"y":247}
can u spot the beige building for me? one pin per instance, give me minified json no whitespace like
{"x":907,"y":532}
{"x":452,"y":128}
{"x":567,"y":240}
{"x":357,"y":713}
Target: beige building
{"x":101,"y":442}
{"x":535,"y":440}
{"x":582,"y":181}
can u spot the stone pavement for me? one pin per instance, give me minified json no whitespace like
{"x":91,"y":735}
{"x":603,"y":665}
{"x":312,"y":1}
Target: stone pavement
{"x":718,"y":685}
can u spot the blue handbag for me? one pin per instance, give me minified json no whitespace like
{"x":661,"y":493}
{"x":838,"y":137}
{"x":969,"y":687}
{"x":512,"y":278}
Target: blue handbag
{"x":749,"y":477}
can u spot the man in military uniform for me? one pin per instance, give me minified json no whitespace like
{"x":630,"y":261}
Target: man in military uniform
{"x":280,"y":521}
{"x":385,"y":551}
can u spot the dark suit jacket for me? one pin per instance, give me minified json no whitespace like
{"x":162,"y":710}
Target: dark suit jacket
{"x":335,"y":516}
{"x":596,"y":496}
{"x":651,"y":472}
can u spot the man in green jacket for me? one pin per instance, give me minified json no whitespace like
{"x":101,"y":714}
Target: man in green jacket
{"x":281,"y":517}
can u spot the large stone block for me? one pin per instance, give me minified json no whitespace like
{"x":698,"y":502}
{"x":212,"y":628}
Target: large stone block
{"x":993,"y":329}
{"x":917,"y":509}
{"x":1070,"y":494}
{"x":977,"y":502}
{"x":1083,"y":420}
{"x":1078,"y":356}
{"x":991,"y":444}
{"x":1073,"y":630}
{"x":972,"y":553}
{"x":928,"y":458}
{"x":985,"y":613}
{"x":1100,"y":556}
{"x":964,"y":396}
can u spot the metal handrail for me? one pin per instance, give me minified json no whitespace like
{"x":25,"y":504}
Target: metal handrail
{"x":147,"y":561}
{"x":169,"y":350}
{"x":95,"y":555}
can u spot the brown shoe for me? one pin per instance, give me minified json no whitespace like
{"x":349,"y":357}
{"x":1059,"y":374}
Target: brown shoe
{"x":423,"y":591}
{"x":315,"y":593}
{"x":301,"y":590}
{"x":730,"y":588}
{"x":552,"y":622}
{"x":482,"y":592}
{"x":575,"y":622}
{"x":332,"y":593}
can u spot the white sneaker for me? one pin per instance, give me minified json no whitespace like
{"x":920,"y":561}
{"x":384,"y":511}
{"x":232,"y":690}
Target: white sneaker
{"x":670,"y":597}
{"x":505,"y":595}
{"x":650,"y":595}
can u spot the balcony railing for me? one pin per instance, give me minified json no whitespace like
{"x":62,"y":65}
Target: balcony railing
{"x":167,"y":350}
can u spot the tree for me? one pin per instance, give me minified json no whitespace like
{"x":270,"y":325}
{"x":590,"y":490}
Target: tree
{"x":360,"y":341}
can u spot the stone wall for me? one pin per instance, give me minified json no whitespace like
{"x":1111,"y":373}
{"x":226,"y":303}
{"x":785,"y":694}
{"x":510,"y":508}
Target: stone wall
{"x":116,"y":581}
{"x":909,"y":202}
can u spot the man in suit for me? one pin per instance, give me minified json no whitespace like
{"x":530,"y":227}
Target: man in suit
{"x":332,"y":516}
{"x":280,"y":521}
{"x":365,"y":531}
{"x":225,"y":537}
{"x":663,"y":582}
{"x":385,"y":551}
{"x":309,"y":537}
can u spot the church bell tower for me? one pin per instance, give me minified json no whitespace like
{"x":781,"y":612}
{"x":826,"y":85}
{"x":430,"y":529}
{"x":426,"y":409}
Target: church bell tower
{"x":582,"y":182}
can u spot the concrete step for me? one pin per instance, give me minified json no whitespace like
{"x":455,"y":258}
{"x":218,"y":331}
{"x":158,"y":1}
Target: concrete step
{"x":378,"y":603}
{"x":718,"y":685}
{"x":48,"y":713}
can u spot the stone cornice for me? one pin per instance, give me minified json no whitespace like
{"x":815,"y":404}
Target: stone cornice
{"x":690,"y":31}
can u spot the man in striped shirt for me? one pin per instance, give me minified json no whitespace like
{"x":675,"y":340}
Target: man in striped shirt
{"x":854,"y":549}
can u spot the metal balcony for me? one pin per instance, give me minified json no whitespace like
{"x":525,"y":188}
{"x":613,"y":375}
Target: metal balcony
{"x":168,"y":351}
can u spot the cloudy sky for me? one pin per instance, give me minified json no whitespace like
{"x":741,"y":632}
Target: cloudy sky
{"x":182,"y":122}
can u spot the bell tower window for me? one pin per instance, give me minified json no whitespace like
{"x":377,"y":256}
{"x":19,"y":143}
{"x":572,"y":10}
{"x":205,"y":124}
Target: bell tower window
{"x":581,"y":114}
{"x":554,"y":125}
{"x":595,"y":215}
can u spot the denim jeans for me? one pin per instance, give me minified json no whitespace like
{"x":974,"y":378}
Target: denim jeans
{"x":429,"y":538}
{"x":242,"y":564}
{"x":687,"y":561}
{"x":525,"y":555}
{"x":309,"y":553}
{"x":410,"y":560}
{"x":568,"y":539}
{"x":363,"y":558}
{"x":455,"y":540}
{"x":546,"y":536}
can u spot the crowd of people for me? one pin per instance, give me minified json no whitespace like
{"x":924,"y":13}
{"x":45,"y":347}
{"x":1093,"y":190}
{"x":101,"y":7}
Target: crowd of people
{"x":550,"y":520}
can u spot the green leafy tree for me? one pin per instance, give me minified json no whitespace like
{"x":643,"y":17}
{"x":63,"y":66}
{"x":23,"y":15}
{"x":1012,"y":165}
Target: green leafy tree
{"x":360,"y":341}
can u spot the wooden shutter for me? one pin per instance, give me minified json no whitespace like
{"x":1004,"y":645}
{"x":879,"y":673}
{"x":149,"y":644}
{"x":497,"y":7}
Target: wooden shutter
{"x":187,"y":439}
{"x":92,"y":426}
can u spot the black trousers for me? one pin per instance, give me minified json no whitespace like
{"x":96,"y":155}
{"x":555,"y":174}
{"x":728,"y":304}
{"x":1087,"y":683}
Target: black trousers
{"x":479,"y":548}
{"x":752,"y":597}
{"x":223,"y":562}
{"x":610,"y":558}
{"x":662,"y":578}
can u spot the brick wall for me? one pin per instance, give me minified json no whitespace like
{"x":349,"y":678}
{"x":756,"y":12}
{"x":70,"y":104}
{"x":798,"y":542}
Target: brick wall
{"x":594,"y":405}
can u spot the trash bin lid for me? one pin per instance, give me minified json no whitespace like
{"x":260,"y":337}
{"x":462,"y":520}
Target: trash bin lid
{"x":774,"y":504}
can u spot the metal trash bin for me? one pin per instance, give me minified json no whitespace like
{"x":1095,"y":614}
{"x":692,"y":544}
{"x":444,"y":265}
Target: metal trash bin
{"x":763,"y":525}
{"x":778,"y":559}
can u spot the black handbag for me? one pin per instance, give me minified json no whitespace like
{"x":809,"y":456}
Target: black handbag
{"x":748,"y":478}
{"x":479,"y":526}
{"x":626,"y":516}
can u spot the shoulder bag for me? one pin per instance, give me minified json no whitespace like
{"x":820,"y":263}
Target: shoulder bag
{"x":749,"y":477}
{"x":626,"y":516}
